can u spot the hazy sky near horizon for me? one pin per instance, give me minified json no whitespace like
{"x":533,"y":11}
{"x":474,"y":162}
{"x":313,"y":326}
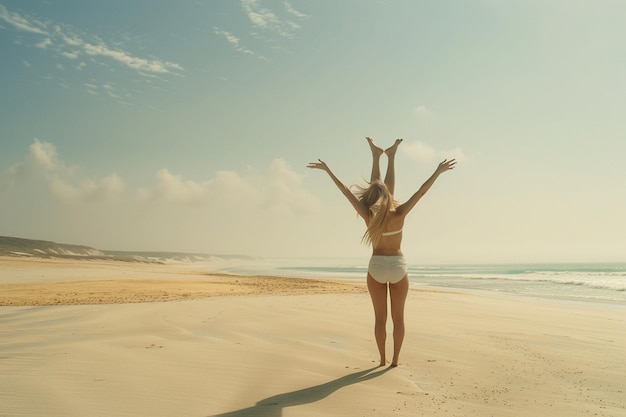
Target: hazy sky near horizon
{"x":187,"y":126}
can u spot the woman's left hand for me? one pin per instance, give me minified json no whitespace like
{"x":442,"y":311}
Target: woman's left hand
{"x":318,"y":165}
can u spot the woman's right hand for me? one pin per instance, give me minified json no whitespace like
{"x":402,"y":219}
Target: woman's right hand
{"x":446,"y":165}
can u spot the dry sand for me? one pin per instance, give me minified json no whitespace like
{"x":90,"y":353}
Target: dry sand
{"x":40,"y":282}
{"x":306,"y":351}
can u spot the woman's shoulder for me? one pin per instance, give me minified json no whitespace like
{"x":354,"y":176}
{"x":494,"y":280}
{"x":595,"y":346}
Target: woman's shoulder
{"x":396,"y":216}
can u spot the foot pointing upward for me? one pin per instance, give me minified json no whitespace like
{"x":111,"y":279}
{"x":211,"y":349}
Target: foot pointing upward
{"x":391,"y":151}
{"x":376,"y":151}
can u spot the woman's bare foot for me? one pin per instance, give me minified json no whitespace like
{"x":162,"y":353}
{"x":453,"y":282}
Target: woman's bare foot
{"x":394,"y":361}
{"x":391,"y":151}
{"x":376,"y":151}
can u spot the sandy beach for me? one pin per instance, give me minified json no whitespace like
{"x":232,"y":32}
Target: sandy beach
{"x":82,"y":338}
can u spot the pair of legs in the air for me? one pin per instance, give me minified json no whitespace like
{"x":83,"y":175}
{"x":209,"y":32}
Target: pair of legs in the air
{"x":398,"y":291}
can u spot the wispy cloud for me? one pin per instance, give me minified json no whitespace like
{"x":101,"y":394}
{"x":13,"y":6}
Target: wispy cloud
{"x":70,"y":55}
{"x":268,"y":20}
{"x":260,"y":16}
{"x":44,"y":43}
{"x":266,"y":24}
{"x":142,"y":65}
{"x":290,"y":9}
{"x":108,"y":89}
{"x":21,"y":23}
{"x":234,"y":42}
{"x":72,"y":46}
{"x":423,"y":152}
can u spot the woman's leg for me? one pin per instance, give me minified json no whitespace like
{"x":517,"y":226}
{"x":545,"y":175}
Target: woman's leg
{"x":390,"y":175}
{"x":378,"y":292}
{"x":376,"y":153}
{"x":398,"y":293}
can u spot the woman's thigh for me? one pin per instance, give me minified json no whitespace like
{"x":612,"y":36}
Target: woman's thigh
{"x":378,"y":292}
{"x":398,"y":293}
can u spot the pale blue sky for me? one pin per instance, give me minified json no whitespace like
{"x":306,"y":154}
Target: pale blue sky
{"x":187,"y":126}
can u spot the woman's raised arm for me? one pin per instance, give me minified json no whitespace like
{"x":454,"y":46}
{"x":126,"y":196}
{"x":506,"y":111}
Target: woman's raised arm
{"x":360,"y":207}
{"x":444,"y":166}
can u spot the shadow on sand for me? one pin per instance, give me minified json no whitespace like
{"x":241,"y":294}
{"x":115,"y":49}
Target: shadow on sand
{"x":273,"y":406}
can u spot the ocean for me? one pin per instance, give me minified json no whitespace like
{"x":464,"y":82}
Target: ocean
{"x":602,"y":282}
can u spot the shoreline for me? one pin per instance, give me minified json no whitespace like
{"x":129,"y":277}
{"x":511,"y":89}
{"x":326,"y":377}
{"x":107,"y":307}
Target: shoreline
{"x":31,"y":281}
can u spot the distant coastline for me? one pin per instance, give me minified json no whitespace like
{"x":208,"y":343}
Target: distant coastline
{"x":27,"y":248}
{"x":600,"y":282}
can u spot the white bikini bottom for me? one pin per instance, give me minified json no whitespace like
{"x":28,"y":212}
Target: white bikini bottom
{"x":387,"y":269}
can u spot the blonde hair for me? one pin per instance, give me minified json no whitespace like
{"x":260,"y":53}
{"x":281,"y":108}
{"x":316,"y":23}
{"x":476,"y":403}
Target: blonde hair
{"x":379,"y":201}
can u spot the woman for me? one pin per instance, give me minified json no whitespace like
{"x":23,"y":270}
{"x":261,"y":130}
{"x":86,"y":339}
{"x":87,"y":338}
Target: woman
{"x":384,"y":218}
